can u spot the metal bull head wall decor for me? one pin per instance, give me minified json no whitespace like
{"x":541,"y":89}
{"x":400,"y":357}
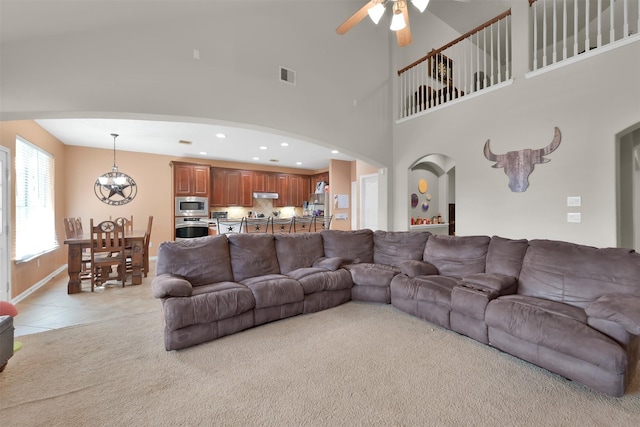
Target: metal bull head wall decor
{"x":518,"y":165}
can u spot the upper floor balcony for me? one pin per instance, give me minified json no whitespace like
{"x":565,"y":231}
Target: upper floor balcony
{"x":561,"y":31}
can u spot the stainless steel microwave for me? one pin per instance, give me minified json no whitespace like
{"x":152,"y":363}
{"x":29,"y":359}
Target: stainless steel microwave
{"x":192,"y":206}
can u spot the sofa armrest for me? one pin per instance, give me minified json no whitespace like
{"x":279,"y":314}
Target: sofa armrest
{"x":621,"y":309}
{"x":169,"y":285}
{"x":505,"y":285}
{"x":328,"y":263}
{"x":414,"y":268}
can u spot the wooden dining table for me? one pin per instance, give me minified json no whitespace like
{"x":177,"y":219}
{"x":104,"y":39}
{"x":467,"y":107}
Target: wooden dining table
{"x":133,"y":239}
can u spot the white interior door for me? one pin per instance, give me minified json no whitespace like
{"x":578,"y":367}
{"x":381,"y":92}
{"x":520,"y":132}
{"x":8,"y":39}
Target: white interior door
{"x":5,"y":189}
{"x":369,"y":201}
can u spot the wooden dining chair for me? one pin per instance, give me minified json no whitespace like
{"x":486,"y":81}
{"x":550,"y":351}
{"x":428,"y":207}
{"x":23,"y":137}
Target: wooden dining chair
{"x":145,"y":251}
{"x":127,"y":223}
{"x":73,"y":229}
{"x":281,"y":225}
{"x":78,"y":227}
{"x":107,"y":250}
{"x":303,"y":224}
{"x":256,"y":225}
{"x":69,"y":227}
{"x":147,"y":240}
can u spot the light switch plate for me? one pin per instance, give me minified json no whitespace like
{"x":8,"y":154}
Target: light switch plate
{"x":574,"y":217}
{"x":574,"y":201}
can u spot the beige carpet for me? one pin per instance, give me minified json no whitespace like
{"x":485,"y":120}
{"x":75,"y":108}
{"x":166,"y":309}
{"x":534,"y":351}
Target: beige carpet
{"x":357,"y":364}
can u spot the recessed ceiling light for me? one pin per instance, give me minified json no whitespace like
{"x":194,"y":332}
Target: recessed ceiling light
{"x":221,"y":135}
{"x":263,"y":147}
{"x":285,"y":144}
{"x":298,"y":163}
{"x":256,"y":158}
{"x":204,"y":153}
{"x":334,"y":151}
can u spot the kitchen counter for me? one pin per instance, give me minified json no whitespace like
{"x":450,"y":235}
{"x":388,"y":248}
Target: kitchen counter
{"x":432,"y":228}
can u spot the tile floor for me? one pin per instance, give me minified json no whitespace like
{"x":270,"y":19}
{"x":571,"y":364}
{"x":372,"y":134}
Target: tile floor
{"x":50,"y":307}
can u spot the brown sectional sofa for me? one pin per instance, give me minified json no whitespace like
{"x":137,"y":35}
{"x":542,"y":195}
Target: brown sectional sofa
{"x":572,"y":309}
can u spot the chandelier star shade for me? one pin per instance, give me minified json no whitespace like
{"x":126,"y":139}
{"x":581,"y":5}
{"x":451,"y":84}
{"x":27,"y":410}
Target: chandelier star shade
{"x":115,"y":187}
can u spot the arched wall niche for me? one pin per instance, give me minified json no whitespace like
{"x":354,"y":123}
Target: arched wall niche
{"x":438,"y":170}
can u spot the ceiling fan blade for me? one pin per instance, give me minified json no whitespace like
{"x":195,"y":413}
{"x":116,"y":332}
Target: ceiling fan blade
{"x":404,"y":35}
{"x":355,"y":18}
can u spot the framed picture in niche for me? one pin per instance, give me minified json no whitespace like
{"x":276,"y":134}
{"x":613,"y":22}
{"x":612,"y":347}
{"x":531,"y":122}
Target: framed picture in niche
{"x":441,"y":68}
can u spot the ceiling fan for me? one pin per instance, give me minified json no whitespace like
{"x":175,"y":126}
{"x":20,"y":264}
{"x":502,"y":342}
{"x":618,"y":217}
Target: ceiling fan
{"x":399,"y":22}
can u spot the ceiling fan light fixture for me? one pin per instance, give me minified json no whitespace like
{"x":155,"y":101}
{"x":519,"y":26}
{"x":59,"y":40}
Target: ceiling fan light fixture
{"x":376,"y":12}
{"x":397,"y":22}
{"x":420,"y":4}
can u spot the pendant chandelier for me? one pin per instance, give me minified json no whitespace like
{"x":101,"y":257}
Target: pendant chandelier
{"x":115,"y":187}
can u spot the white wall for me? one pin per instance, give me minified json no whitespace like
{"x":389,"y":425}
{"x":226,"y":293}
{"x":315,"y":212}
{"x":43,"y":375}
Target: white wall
{"x":131,"y":65}
{"x":589,"y":110}
{"x":636,"y":196}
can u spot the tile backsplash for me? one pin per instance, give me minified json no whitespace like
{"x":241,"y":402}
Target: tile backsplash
{"x":260,"y":206}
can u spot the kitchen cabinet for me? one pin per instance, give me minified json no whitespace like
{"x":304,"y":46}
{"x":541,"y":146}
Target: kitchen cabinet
{"x":190,"y":179}
{"x":282,"y":185}
{"x":231,"y":187}
{"x":245,"y":192}
{"x":305,"y":188}
{"x":293,"y":190}
{"x":218,"y":195}
{"x":319,"y":177}
{"x":265,"y":182}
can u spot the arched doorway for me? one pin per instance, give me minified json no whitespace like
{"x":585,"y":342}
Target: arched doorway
{"x":628,"y":188}
{"x":432,"y":193}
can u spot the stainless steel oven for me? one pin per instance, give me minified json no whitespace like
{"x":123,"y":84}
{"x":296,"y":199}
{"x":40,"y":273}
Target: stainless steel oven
{"x":191,"y":227}
{"x":192,"y":206}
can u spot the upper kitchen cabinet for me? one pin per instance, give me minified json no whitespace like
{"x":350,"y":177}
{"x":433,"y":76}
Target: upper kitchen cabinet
{"x":231,"y":187}
{"x":320,"y":177}
{"x":265,"y":182}
{"x":190,"y":179}
{"x":292,"y":190}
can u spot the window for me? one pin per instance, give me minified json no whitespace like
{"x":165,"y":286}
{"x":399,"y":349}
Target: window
{"x":35,"y":216}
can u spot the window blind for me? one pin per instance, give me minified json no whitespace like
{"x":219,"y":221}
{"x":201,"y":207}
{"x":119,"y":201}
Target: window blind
{"x":35,"y":216}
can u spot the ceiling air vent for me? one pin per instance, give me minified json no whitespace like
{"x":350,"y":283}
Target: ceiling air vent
{"x":287,"y":76}
{"x":185,"y":142}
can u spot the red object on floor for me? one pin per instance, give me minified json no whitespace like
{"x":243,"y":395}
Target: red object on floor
{"x":8,"y":309}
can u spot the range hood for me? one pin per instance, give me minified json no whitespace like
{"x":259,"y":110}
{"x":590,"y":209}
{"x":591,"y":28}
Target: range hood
{"x":265,"y":195}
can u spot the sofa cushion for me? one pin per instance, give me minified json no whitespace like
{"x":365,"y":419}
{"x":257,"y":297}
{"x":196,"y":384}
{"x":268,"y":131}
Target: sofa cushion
{"x":352,"y":246}
{"x":505,"y":256}
{"x":496,"y":282}
{"x":328,"y":263}
{"x":252,"y":255}
{"x":298,"y":250}
{"x":393,"y":247}
{"x":621,"y":309}
{"x":220,"y":301}
{"x":556,"y":326}
{"x":315,"y":280}
{"x":413,"y":268}
{"x":367,"y":274}
{"x":168,"y":285}
{"x":457,"y":256}
{"x":578,"y":274}
{"x":274,"y":290}
{"x":200,"y":261}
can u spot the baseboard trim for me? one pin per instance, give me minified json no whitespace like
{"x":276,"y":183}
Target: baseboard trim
{"x":38,"y":285}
